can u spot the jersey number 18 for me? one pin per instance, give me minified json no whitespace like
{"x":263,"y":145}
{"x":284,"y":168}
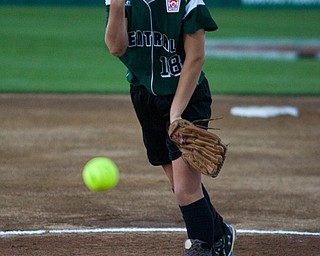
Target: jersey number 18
{"x":171,"y":66}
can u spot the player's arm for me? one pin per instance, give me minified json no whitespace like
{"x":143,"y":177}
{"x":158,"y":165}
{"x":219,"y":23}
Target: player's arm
{"x":116,"y":37}
{"x":191,"y":70}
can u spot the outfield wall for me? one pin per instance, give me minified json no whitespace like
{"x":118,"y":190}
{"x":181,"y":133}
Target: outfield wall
{"x":54,"y":2}
{"x":263,"y":3}
{"x":217,"y":3}
{"x":280,"y":2}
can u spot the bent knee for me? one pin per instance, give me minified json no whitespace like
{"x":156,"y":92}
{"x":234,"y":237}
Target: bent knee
{"x":185,"y":196}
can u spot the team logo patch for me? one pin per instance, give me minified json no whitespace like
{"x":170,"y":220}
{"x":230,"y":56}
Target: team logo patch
{"x":173,"y":5}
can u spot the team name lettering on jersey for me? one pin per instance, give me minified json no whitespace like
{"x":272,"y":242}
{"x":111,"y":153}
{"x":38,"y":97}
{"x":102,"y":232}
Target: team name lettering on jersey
{"x":148,"y":39}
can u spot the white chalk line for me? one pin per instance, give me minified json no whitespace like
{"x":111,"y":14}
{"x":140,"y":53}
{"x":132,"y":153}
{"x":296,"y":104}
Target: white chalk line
{"x":145,"y":230}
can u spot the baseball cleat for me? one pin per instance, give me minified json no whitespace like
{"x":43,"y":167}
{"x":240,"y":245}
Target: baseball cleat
{"x":195,"y":247}
{"x":224,"y":247}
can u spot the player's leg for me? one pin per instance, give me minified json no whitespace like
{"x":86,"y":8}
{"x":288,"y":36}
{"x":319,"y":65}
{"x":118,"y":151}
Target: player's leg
{"x":217,"y":218}
{"x":168,"y":171}
{"x":200,"y":108}
{"x":152,"y":124}
{"x":194,"y":207}
{"x":224,"y":234}
{"x":187,"y":182}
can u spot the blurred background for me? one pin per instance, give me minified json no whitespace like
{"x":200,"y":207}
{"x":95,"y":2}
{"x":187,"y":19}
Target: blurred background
{"x":262,"y":47}
{"x":217,"y":3}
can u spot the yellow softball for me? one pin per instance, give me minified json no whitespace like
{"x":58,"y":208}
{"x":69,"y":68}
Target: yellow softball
{"x":100,"y":173}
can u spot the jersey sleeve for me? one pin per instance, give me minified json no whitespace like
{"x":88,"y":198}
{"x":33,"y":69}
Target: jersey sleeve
{"x":198,"y":17}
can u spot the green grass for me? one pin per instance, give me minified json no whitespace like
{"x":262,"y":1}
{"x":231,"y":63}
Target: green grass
{"x":57,"y":50}
{"x":267,"y":77}
{"x":61,"y":50}
{"x":295,"y":23}
{"x":247,"y":77}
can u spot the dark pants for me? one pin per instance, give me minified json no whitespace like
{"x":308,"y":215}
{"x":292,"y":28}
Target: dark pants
{"x":153,"y":113}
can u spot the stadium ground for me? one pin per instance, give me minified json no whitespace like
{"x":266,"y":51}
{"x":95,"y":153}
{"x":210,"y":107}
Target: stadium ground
{"x":270,"y":180}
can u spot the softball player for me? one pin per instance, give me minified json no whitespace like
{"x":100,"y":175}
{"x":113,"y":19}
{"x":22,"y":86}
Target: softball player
{"x":161,"y":42}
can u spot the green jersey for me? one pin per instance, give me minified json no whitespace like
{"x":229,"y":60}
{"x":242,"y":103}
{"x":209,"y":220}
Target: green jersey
{"x":155,"y":52}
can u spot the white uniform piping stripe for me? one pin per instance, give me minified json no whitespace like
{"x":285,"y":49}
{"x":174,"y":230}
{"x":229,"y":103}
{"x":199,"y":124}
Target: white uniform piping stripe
{"x":192,"y":5}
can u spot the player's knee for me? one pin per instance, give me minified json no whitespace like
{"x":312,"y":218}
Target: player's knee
{"x":185,"y":195}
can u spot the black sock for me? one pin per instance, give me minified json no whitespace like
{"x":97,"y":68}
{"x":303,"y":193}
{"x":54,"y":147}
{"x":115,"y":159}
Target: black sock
{"x":198,"y":219}
{"x":217,"y":219}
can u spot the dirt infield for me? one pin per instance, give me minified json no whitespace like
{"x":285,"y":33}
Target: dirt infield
{"x":270,"y":180}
